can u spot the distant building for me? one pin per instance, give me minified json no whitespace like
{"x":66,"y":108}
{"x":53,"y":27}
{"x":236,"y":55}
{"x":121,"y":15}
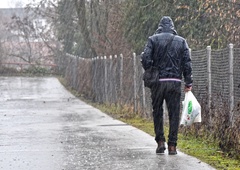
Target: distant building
{"x":19,"y":37}
{"x":6,"y":18}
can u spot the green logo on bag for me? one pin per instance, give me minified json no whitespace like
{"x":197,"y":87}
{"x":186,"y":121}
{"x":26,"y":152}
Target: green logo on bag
{"x":189,"y":107}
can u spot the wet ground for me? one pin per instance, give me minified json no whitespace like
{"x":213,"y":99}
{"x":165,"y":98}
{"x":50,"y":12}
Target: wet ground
{"x":44,"y":127}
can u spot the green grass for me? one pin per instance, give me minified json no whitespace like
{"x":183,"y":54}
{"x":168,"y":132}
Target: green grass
{"x":207,"y":151}
{"x":204,"y":149}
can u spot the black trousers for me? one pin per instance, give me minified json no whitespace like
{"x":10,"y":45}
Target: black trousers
{"x":171,"y":92}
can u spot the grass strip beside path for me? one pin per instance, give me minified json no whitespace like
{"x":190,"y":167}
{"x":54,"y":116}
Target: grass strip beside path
{"x":205,"y":150}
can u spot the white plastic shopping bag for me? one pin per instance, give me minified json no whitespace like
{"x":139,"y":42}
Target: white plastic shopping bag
{"x":191,"y":111}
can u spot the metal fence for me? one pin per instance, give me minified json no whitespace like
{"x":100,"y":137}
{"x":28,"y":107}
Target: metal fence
{"x":118,"y":79}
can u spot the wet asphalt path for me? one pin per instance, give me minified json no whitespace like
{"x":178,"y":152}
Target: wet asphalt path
{"x":44,"y":127}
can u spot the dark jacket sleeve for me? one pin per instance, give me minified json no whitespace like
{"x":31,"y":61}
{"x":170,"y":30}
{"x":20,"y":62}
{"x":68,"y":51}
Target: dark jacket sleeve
{"x":146,"y":59}
{"x":187,"y":65}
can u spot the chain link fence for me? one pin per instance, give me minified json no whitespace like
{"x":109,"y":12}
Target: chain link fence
{"x":118,"y":79}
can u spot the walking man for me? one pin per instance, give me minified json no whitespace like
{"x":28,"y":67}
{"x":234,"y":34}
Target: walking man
{"x":170,"y":54}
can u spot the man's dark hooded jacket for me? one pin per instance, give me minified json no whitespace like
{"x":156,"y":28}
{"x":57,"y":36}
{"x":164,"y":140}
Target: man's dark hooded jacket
{"x":177,"y":60}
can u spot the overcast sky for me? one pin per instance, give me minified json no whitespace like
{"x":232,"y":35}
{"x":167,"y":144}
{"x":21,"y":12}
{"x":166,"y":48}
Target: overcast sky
{"x":13,"y":3}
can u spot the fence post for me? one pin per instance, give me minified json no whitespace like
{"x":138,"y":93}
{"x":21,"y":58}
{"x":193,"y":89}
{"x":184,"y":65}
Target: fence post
{"x":143,"y":96}
{"x":75,"y":72}
{"x":121,"y":77}
{"x":115,"y":85}
{"x":93,"y":77}
{"x":102,"y":87}
{"x":190,"y":52}
{"x":105,"y":79}
{"x":209,"y":80}
{"x":135,"y":82}
{"x":231,"y":83}
{"x":110,"y":79}
{"x":97,"y":63}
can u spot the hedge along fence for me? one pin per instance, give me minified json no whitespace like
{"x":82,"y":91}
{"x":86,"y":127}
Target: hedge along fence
{"x":111,"y":80}
{"x":118,"y":80}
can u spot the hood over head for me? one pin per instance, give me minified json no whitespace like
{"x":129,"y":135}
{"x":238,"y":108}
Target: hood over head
{"x":166,"y":25}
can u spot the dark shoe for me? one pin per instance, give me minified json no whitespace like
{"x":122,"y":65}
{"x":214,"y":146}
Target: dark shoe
{"x":161,"y":147}
{"x":172,"y":150}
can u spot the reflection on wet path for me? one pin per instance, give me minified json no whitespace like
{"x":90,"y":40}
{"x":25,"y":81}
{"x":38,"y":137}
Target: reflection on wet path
{"x":44,"y":127}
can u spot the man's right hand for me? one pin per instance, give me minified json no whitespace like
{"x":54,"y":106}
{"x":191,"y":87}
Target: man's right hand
{"x":188,"y":89}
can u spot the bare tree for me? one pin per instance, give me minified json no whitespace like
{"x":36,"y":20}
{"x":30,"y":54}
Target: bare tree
{"x":30,"y":39}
